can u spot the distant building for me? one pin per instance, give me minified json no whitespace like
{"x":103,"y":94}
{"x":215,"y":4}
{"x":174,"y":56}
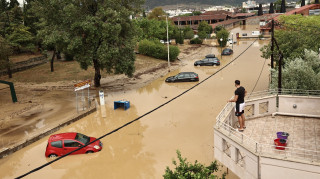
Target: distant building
{"x":249,"y":4}
{"x":308,"y":10}
{"x":214,"y":18}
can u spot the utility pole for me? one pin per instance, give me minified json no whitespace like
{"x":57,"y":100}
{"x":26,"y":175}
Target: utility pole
{"x":168,"y":44}
{"x":272,"y":43}
{"x":279,"y":67}
{"x":280,"y":73}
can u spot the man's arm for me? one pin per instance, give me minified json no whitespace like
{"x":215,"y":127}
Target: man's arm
{"x":234,"y":99}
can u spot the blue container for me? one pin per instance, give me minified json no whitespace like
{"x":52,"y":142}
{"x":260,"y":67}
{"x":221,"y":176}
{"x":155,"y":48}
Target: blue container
{"x":121,"y":104}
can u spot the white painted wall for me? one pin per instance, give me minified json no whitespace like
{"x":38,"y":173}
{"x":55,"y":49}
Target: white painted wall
{"x":273,"y":168}
{"x":305,"y":105}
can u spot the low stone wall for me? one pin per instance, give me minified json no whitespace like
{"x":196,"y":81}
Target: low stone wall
{"x":21,"y":145}
{"x":24,"y":65}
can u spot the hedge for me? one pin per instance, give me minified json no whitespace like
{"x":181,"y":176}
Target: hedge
{"x":196,"y":41}
{"x":158,"y":50}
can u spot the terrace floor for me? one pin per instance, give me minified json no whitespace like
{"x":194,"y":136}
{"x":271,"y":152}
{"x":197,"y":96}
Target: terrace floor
{"x":304,"y":133}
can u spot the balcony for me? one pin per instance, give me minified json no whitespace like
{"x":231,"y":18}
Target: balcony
{"x":252,"y":153}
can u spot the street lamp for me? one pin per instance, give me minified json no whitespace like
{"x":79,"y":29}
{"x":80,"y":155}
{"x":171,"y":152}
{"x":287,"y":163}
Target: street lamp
{"x":232,"y":40}
{"x":221,"y":46}
{"x":168,"y":44}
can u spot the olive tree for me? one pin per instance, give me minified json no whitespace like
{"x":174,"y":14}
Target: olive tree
{"x":186,"y":169}
{"x":300,"y":73}
{"x":96,"y":33}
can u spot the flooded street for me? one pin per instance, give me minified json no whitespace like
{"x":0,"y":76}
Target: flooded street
{"x":144,"y":148}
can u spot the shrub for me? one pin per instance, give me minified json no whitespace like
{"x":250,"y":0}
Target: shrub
{"x":186,"y":169}
{"x":156,"y":49}
{"x":189,"y":35}
{"x":202,"y":35}
{"x":196,"y":41}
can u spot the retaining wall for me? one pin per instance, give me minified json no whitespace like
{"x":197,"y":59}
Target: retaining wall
{"x":24,"y":65}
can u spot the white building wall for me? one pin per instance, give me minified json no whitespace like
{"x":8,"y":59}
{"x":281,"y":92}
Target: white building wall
{"x":273,"y":169}
{"x":249,"y":170}
{"x":304,"y":105}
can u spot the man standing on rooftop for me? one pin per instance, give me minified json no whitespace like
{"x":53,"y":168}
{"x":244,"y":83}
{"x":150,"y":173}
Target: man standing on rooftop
{"x":239,"y":95}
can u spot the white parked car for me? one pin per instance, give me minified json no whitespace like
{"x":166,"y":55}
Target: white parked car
{"x":230,"y":41}
{"x":165,"y":42}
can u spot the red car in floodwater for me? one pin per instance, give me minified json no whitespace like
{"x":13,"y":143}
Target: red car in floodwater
{"x":60,"y":144}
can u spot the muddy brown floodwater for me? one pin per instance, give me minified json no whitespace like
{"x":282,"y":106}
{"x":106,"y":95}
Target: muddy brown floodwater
{"x":144,"y":148}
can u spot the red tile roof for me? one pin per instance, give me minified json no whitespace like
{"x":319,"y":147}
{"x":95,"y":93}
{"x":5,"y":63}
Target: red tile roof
{"x":297,"y":11}
{"x":189,"y":18}
{"x":230,"y":21}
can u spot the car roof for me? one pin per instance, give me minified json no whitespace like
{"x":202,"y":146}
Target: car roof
{"x":210,"y":56}
{"x":185,"y":72}
{"x":68,"y":135}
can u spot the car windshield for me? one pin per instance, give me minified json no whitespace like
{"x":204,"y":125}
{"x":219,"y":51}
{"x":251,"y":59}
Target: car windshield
{"x":82,"y":138}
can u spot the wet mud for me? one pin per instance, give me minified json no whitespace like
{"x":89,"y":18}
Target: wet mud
{"x":146,"y":147}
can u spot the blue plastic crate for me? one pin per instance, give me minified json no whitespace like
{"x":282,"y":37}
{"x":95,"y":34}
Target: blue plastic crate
{"x":121,"y":104}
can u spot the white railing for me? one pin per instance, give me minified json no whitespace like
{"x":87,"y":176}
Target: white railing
{"x":295,"y":92}
{"x":224,"y":127}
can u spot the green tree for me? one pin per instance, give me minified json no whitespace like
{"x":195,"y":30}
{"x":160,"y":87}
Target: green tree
{"x":300,"y":73}
{"x":103,"y":36}
{"x":13,"y":3}
{"x":277,"y":5}
{"x":21,"y":38}
{"x":3,"y":5}
{"x":154,"y":29}
{"x":13,"y":30}
{"x":5,"y":52}
{"x":179,"y":35}
{"x":298,"y":33}
{"x":188,"y":170}
{"x":218,"y":28}
{"x":157,"y":13}
{"x":223,"y":34}
{"x":188,"y":32}
{"x":204,"y":28}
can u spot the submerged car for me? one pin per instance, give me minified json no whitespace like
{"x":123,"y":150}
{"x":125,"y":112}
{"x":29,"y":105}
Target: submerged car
{"x":207,"y":62}
{"x":61,"y":144}
{"x":227,"y":51}
{"x":183,"y":77}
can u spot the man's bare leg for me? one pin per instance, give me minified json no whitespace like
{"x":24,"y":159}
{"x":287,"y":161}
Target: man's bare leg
{"x":240,"y":122}
{"x":243,"y":120}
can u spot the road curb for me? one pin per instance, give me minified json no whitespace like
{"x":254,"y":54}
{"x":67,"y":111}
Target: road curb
{"x":20,"y":145}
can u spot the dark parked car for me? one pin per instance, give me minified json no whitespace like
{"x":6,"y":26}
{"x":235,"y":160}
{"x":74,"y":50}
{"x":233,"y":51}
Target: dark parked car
{"x":227,"y":51}
{"x":60,"y":144}
{"x":207,"y":62}
{"x":183,"y":77}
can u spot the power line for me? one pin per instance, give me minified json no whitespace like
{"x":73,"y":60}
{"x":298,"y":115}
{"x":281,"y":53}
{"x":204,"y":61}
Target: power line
{"x":115,"y":130}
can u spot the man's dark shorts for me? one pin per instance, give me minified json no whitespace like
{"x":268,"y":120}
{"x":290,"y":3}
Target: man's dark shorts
{"x":239,"y":109}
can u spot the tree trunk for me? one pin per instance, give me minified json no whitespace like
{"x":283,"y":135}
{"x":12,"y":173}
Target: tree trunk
{"x":58,"y":55}
{"x":51,"y":62}
{"x":97,"y":75}
{"x":8,"y":68}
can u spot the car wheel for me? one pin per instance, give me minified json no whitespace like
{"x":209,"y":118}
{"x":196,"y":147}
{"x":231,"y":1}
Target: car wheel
{"x":89,"y":152}
{"x":53,"y":156}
